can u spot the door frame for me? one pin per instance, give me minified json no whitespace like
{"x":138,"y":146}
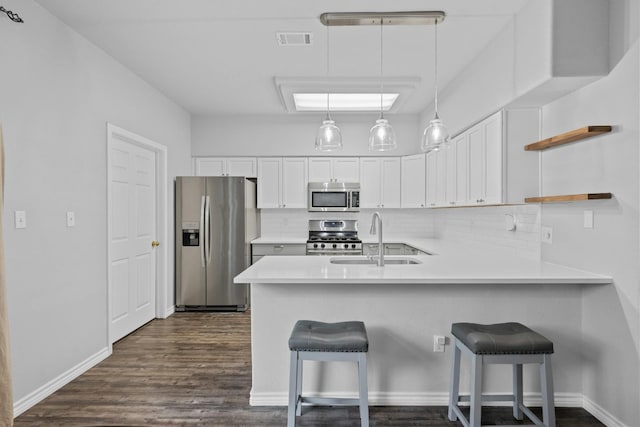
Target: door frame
{"x":162,"y":224}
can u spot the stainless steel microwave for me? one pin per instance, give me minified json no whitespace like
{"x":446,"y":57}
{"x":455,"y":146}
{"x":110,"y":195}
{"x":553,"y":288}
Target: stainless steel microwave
{"x":334,"y":197}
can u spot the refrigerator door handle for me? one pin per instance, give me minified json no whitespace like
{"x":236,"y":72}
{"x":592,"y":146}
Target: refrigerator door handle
{"x":202,"y":235}
{"x":207,"y":229}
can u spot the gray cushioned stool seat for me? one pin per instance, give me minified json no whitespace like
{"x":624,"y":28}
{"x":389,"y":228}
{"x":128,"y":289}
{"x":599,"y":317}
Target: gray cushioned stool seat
{"x":310,"y":335}
{"x":327,"y":342}
{"x":507,"y":344}
{"x":501,"y":338}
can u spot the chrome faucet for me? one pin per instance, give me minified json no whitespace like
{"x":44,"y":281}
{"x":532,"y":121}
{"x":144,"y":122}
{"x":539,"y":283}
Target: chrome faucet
{"x":376,"y":225}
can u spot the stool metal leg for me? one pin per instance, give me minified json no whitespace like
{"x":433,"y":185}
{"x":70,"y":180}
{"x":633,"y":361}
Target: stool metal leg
{"x":517,"y":391}
{"x":546,"y":383}
{"x":454,"y":385}
{"x":293,"y":389}
{"x":475,"y":410}
{"x":299,"y":386}
{"x":364,"y":390}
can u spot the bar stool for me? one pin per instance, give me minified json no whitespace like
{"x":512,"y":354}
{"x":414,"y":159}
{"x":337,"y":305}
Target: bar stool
{"x":344,"y":341}
{"x":503,"y":343}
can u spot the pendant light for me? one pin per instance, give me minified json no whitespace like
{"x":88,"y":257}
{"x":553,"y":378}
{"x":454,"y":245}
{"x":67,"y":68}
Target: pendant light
{"x":381,"y":135}
{"x":435,"y":135}
{"x":329,"y":137}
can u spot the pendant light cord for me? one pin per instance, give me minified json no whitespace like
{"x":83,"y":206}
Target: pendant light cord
{"x":328,"y":83}
{"x":381,"y":62}
{"x":436,"y":66}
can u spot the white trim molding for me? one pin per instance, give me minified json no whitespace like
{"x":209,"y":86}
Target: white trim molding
{"x":57,"y":383}
{"x":567,"y":400}
{"x":162,"y":310}
{"x":604,"y":416}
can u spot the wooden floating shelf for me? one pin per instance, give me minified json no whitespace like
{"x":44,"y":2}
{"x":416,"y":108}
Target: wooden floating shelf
{"x":568,"y":198}
{"x":565,"y":138}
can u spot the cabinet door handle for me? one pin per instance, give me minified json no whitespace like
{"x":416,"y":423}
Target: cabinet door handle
{"x":278,"y":246}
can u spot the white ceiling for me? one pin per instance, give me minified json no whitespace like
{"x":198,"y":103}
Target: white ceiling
{"x":221,"y":56}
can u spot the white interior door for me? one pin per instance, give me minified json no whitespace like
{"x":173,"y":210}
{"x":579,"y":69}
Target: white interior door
{"x":132,"y":216}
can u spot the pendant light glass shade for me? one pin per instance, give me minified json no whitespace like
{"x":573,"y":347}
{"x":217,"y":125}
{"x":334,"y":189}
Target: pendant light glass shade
{"x":381,"y":135}
{"x":329,"y":137}
{"x":435,"y":135}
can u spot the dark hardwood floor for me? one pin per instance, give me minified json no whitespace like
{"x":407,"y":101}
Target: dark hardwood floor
{"x":195,"y":369}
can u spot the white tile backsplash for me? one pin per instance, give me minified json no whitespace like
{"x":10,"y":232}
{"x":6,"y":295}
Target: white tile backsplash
{"x":477,"y":226}
{"x":486,"y":226}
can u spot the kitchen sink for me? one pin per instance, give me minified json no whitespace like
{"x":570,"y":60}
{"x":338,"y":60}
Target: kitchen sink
{"x":388,"y":260}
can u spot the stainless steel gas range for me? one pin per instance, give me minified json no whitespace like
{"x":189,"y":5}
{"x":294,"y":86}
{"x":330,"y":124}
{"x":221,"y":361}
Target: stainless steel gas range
{"x":333,"y":237}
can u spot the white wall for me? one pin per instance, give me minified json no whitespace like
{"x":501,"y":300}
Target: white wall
{"x":608,"y":163}
{"x":58,"y":93}
{"x":294,"y":135}
{"x":482,"y":227}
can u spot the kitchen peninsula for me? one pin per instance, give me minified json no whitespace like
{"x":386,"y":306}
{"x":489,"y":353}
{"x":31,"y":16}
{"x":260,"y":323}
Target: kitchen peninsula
{"x":404,"y":306}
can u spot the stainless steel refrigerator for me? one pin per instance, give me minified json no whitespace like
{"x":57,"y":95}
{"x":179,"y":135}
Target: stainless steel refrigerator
{"x":216,"y":219}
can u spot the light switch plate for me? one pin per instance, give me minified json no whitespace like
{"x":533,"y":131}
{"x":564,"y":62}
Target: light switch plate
{"x":439,"y":342}
{"x":588,"y":219}
{"x":71,"y":219}
{"x":20,"y":219}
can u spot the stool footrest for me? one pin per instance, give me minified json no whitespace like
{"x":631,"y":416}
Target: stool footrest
{"x":465,"y":422}
{"x":331,"y":401}
{"x":489,"y":398}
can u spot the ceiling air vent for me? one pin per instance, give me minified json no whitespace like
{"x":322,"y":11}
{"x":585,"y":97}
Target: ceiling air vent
{"x":294,"y":39}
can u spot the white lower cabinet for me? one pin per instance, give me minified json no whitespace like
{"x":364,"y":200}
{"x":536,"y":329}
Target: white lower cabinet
{"x":258,"y":250}
{"x":379,"y":182}
{"x":282,"y":182}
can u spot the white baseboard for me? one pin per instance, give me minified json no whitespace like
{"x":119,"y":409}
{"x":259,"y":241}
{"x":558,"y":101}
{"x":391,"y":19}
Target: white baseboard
{"x":567,"y":400}
{"x":562,"y":400}
{"x":46,"y":390}
{"x":601,"y":414}
{"x":168,"y":312}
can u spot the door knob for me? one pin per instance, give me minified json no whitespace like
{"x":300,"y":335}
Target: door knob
{"x":155,"y":243}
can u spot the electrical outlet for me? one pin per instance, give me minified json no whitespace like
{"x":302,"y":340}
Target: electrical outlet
{"x":438,"y":343}
{"x":546,"y":235}
{"x":20,"y":219}
{"x":71,"y":219}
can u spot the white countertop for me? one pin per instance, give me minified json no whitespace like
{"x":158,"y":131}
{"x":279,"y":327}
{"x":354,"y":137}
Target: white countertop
{"x":450,"y":263}
{"x":435,"y":269}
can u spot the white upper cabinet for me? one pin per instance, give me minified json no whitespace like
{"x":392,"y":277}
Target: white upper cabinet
{"x":282,"y":182}
{"x":485,"y":161}
{"x":269,"y":183}
{"x":461,"y":147}
{"x":451,"y":174}
{"x":341,"y":169}
{"x":294,"y":182}
{"x":379,"y":182}
{"x":225,"y":166}
{"x":413,"y":182}
{"x":431,"y":179}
